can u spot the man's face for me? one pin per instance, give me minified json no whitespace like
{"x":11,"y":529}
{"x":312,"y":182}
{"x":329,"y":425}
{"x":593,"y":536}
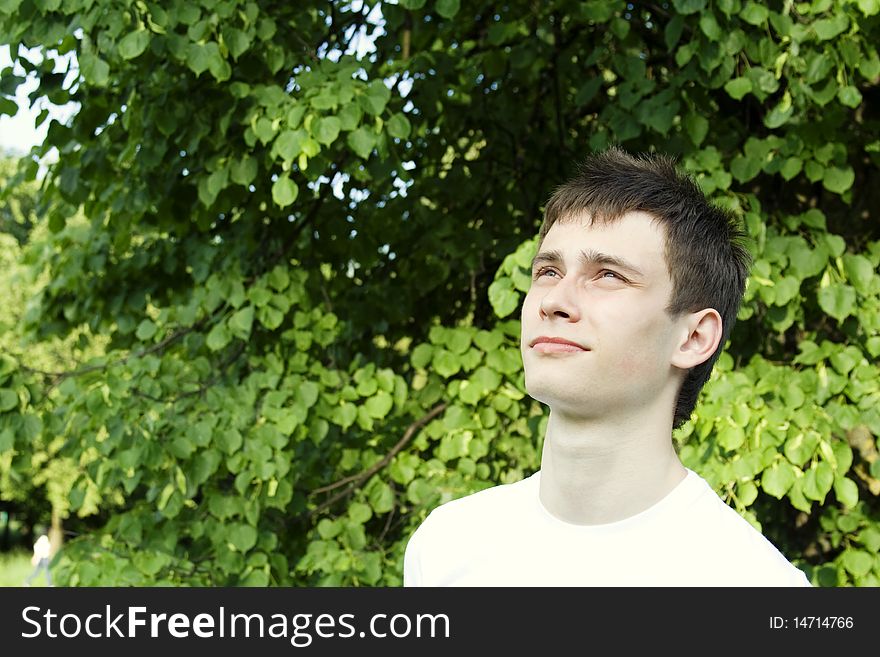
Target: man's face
{"x":604,"y":287}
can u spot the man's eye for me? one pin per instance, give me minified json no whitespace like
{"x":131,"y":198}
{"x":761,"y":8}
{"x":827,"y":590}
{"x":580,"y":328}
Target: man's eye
{"x":542,"y":271}
{"x":615,"y":274}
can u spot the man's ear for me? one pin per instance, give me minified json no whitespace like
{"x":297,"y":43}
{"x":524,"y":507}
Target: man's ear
{"x":699,"y":337}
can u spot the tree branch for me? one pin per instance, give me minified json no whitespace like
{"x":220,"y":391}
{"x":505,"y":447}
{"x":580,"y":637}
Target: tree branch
{"x":58,"y":377}
{"x":202,"y":387}
{"x":355,"y":481}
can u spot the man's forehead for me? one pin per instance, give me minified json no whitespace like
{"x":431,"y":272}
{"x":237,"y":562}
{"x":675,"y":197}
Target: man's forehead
{"x":636,"y":238}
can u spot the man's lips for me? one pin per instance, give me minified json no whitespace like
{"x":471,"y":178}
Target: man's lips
{"x":549,"y":343}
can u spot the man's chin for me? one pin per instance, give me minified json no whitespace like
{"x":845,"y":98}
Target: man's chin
{"x":562,"y":399}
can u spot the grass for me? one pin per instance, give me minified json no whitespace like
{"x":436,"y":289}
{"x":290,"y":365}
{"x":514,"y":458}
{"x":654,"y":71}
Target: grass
{"x":15,"y":568}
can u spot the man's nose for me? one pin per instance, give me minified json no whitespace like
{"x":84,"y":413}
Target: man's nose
{"x":560,"y":301}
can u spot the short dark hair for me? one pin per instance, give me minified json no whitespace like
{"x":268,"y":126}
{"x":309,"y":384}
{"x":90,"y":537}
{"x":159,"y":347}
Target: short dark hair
{"x":704,"y":245}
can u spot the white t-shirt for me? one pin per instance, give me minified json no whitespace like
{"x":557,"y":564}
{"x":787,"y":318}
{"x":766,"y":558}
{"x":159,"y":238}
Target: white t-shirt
{"x":504,"y":536}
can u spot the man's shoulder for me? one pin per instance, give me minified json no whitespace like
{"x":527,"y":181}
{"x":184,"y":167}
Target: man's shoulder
{"x":742,"y":547}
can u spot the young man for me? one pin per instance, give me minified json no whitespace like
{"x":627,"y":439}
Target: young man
{"x":635,"y":286}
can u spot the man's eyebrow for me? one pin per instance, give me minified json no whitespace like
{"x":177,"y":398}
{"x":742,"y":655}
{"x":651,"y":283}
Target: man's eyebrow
{"x":551,"y":257}
{"x":587,"y":257}
{"x":593,"y":257}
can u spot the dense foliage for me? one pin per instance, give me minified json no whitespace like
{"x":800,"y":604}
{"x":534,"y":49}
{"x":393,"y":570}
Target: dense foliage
{"x":300,"y":267}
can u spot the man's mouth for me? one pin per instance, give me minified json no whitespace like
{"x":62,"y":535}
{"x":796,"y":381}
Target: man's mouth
{"x":553,"y":344}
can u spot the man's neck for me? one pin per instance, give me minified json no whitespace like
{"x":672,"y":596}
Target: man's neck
{"x":596,"y":472}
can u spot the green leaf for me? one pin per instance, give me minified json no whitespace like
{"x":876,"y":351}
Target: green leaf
{"x":236,"y":40}
{"x":244,"y":170}
{"x":242,"y":321}
{"x":218,"y":337}
{"x":421,"y":355}
{"x":295,"y":115}
{"x":308,"y":393}
{"x":849,"y":96}
{"x":791,"y":167}
{"x":149,"y":563}
{"x":9,"y":7}
{"x":8,"y":400}
{"x":744,"y":167}
{"x":326,"y":100}
{"x":689,"y":6}
{"x":445,"y":363}
{"x":503,"y":297}
{"x":344,"y":415}
{"x":837,"y":179}
{"x":869,"y":66}
{"x":242,"y":537}
{"x":778,"y":479}
{"x":447,"y":8}
{"x":402,"y":470}
{"x":359,"y":512}
{"x":265,"y":131}
{"x":828,"y":28}
{"x":133,"y":44}
{"x":381,"y":498}
{"x":846,"y":491}
{"x":731,"y":437}
{"x":229,"y":440}
{"x":94,"y":69}
{"x":146,"y":330}
{"x":754,"y":14}
{"x":289,"y":144}
{"x":800,"y":448}
{"x":835,"y":243}
{"x":378,"y":405}
{"x":859,"y":271}
{"x":197,"y":58}
{"x":787,"y":288}
{"x":217,"y":64}
{"x":284,"y":191}
{"x":709,"y":26}
{"x":217,"y":182}
{"x":458,"y":340}
{"x":869,"y":7}
{"x":780,"y":114}
{"x":361,"y":141}
{"x":398,"y":126}
{"x":8,"y":106}
{"x":672,"y":32}
{"x":350,"y":116}
{"x":843,"y":455}
{"x":870,"y":538}
{"x":7,"y":439}
{"x":746,"y":492}
{"x":738,"y":87}
{"x":814,"y":170}
{"x":488,"y":340}
{"x":803,"y":260}
{"x":181,"y":447}
{"x":818,"y":481}
{"x":375,"y":98}
{"x":838,"y":300}
{"x":697,"y":127}
{"x":327,"y":130}
{"x":858,"y":562}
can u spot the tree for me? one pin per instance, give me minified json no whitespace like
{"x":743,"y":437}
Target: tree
{"x":305,"y":264}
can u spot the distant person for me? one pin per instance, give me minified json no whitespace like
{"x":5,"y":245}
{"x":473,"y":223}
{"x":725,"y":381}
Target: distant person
{"x":635,"y":288}
{"x":40,"y":560}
